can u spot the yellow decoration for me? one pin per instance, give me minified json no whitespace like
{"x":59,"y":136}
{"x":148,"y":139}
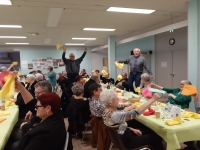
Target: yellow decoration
{"x":138,"y":90}
{"x":119,"y":77}
{"x":104,"y":72}
{"x":191,"y":115}
{"x":189,"y":90}
{"x":15,"y":63}
{"x":86,"y":79}
{"x":137,"y":104}
{"x":9,"y":103}
{"x":4,"y":113}
{"x":161,"y":105}
{"x":8,"y":88}
{"x":58,"y":46}
{"x":119,"y":65}
{"x":173,"y":121}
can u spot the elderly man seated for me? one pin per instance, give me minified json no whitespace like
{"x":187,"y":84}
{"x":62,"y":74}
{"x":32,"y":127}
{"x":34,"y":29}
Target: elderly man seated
{"x":123,"y":83}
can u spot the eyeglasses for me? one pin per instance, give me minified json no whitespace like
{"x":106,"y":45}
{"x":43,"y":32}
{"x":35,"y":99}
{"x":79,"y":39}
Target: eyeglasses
{"x":71,"y":56}
{"x":37,"y":106}
{"x":37,"y":93}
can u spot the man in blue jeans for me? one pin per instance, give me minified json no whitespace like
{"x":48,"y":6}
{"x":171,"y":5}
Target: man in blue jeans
{"x":137,"y":63}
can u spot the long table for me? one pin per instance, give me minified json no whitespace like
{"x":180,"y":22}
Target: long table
{"x":6,"y":126}
{"x":173,"y":135}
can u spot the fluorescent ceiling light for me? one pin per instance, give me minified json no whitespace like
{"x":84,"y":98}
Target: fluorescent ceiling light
{"x":18,"y":43}
{"x":130,"y":10}
{"x":98,"y":29}
{"x":5,"y":2}
{"x":10,"y":26}
{"x":12,"y":37}
{"x":84,"y":38}
{"x":73,"y":44}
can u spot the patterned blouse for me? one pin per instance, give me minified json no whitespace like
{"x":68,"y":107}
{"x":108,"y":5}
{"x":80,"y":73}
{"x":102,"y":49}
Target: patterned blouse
{"x":118,"y":117}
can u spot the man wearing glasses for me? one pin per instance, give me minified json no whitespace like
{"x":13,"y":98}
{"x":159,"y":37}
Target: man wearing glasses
{"x":72,"y":64}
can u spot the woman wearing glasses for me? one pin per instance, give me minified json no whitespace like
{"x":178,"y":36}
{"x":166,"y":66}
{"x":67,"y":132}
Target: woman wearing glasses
{"x":45,"y":135}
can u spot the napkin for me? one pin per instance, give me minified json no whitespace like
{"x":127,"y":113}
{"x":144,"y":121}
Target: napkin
{"x":15,"y":63}
{"x":4,"y":113}
{"x":120,"y":100}
{"x":9,"y":103}
{"x":149,"y":112}
{"x":58,"y":46}
{"x":119,"y":77}
{"x":191,"y":115}
{"x":137,"y":104}
{"x":173,"y":121}
{"x":119,"y":65}
{"x":161,"y":92}
{"x":104,"y":72}
{"x":8,"y":88}
{"x":138,"y":90}
{"x":189,"y":90}
{"x":2,"y":119}
{"x":86,"y":79}
{"x":161,"y":105}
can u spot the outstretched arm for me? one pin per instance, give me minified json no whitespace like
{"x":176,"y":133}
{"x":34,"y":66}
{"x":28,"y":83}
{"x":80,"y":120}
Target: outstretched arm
{"x":63,"y":56}
{"x":83,"y":55}
{"x":124,"y":61}
{"x":10,"y":67}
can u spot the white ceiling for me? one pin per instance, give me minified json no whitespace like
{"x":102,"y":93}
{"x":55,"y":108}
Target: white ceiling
{"x":77,"y":14}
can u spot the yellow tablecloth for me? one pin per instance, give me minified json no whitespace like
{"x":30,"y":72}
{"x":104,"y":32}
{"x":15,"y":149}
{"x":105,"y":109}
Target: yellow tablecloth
{"x":6,"y":126}
{"x":173,"y":135}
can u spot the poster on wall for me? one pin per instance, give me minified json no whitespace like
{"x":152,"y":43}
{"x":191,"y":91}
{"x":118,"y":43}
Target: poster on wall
{"x":49,"y":58}
{"x":34,"y":60}
{"x":61,"y":63}
{"x":30,"y":66}
{"x":24,"y":62}
{"x":55,"y":63}
{"x":39,"y":60}
{"x":44,"y":60}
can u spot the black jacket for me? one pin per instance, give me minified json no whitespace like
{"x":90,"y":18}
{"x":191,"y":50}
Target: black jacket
{"x":22,"y":106}
{"x":50,"y":134}
{"x":86,"y":88}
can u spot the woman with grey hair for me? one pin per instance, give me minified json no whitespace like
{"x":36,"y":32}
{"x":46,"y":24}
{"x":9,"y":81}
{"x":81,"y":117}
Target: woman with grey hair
{"x":145,"y":85}
{"x":174,"y":94}
{"x":78,"y":111}
{"x":131,"y":138}
{"x":39,"y":77}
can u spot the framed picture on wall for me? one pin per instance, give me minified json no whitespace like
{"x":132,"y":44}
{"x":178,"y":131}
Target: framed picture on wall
{"x":105,"y":62}
{"x":30,"y":66}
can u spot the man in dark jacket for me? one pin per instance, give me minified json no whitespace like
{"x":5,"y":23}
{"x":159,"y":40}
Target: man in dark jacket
{"x":93,"y":79}
{"x":72,"y":64}
{"x":123,"y":83}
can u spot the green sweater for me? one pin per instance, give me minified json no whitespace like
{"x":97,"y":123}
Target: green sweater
{"x":180,"y":99}
{"x":51,"y":78}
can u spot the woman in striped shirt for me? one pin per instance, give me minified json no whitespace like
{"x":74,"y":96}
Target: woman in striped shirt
{"x":131,"y":138}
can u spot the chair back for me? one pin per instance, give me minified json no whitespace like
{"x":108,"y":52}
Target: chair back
{"x":66,"y":141}
{"x":115,"y":138}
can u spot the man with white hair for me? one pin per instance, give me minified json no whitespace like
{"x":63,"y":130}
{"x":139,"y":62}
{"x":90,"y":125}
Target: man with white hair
{"x":137,"y":63}
{"x":31,"y":80}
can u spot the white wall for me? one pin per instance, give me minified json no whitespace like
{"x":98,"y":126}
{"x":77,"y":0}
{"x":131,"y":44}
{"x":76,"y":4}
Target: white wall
{"x":97,"y":59}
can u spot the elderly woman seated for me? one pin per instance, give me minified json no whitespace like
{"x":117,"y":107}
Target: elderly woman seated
{"x":78,"y":111}
{"x":30,"y":79}
{"x":38,"y":77}
{"x":131,"y":138}
{"x":145,"y":85}
{"x":45,"y":135}
{"x":174,"y":95}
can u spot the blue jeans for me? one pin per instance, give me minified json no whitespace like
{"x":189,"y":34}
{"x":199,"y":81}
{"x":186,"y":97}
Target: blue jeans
{"x":134,"y":78}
